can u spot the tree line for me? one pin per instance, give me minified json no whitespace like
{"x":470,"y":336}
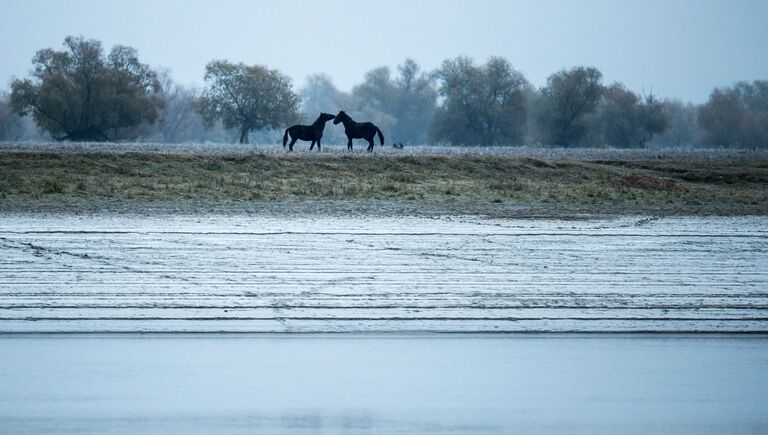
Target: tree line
{"x":83,"y":93}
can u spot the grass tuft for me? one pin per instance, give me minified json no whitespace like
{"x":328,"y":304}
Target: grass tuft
{"x":52,"y":186}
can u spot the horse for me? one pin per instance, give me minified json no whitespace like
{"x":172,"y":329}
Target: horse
{"x":358,"y":130}
{"x":312,"y":132}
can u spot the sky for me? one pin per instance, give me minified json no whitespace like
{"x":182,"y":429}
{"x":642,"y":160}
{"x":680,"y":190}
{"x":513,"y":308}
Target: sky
{"x":672,"y":48}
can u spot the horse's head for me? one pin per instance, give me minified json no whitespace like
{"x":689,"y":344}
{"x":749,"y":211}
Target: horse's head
{"x":341,"y":117}
{"x":325,"y":117}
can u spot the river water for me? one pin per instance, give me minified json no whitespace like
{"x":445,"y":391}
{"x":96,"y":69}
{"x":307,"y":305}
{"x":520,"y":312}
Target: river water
{"x":392,"y":383}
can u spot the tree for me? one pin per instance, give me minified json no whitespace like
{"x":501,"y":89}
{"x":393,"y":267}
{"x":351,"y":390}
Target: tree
{"x":754,"y":97}
{"x":403,"y":105}
{"x":682,"y":119}
{"x":11,"y":125}
{"x":720,"y":119}
{"x":179,"y":120}
{"x":14,"y":127}
{"x":483,"y":104}
{"x":247,"y":98}
{"x":626,"y":120}
{"x":416,"y":103}
{"x":319,"y":94}
{"x":566,"y":100}
{"x":736,"y":117}
{"x":80,"y":94}
{"x":375,"y":100}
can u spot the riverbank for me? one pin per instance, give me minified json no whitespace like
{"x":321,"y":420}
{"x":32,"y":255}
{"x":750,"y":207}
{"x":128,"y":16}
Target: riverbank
{"x":495,"y":185}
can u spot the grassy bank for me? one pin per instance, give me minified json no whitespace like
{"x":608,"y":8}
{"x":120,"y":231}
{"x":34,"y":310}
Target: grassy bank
{"x":64,"y":178}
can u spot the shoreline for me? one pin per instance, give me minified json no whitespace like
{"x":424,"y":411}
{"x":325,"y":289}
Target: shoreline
{"x":354,"y":335}
{"x":377,"y":209}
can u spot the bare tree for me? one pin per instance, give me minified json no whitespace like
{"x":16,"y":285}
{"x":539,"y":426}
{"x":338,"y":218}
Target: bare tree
{"x":179,"y":119}
{"x":11,"y":124}
{"x":320,"y":95}
{"x":682,"y":130}
{"x":403,"y":105}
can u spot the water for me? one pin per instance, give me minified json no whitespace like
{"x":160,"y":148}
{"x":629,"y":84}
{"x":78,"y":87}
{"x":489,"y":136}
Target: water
{"x":383,"y":384}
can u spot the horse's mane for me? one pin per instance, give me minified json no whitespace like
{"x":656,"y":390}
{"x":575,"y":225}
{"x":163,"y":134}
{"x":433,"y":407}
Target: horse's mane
{"x":319,"y":120}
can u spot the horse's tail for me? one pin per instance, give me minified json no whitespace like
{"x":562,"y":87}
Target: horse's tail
{"x":381,"y":136}
{"x":285,"y":137}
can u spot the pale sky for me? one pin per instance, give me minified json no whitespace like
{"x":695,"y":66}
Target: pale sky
{"x":675,"y":48}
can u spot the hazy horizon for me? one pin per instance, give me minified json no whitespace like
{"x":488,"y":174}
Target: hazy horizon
{"x":682,"y":49}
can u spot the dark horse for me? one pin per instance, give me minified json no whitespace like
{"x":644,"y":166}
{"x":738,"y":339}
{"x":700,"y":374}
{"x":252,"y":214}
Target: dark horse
{"x":358,"y":130}
{"x":312,"y":132}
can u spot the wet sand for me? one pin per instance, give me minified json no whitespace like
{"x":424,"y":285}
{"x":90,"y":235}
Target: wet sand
{"x":113,"y":272}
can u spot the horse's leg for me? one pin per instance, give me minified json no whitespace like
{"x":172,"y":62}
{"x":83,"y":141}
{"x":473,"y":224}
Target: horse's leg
{"x":349,"y":143}
{"x":318,"y":144}
{"x":313,"y":145}
{"x":293,"y":141}
{"x":370,"y":145}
